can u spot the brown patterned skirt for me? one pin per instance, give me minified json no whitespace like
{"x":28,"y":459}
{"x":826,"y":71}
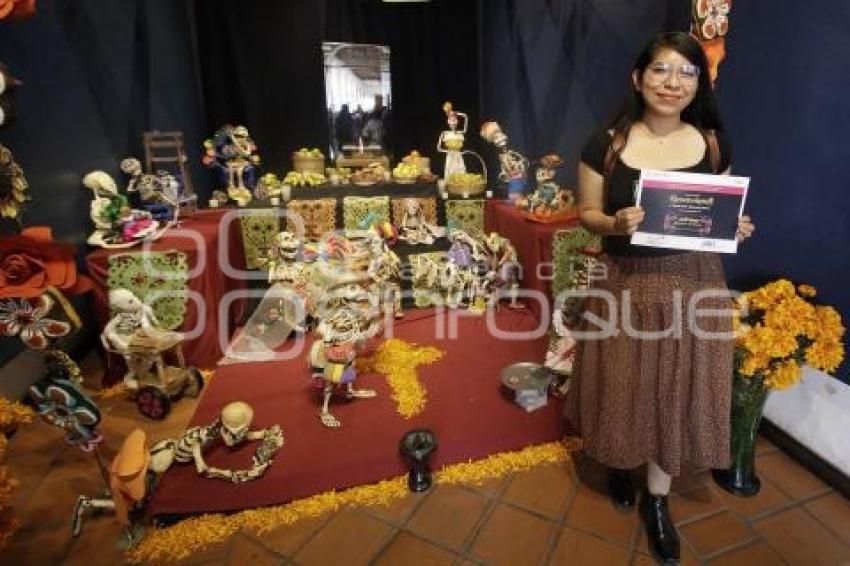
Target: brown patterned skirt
{"x":636,"y":399}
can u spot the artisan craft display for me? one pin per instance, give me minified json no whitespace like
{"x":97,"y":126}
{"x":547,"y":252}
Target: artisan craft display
{"x":233,"y":153}
{"x":116,"y":224}
{"x":549,"y":202}
{"x":232,"y":428}
{"x":513,"y":165}
{"x":160,"y":193}
{"x":134,"y":333}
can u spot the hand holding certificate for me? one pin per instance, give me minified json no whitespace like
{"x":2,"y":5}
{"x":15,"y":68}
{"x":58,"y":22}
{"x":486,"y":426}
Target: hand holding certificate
{"x":690,"y":211}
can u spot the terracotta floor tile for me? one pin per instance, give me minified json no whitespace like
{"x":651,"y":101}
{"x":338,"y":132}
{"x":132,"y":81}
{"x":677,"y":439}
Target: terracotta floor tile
{"x":544,"y":489}
{"x":594,"y":513}
{"x":512,"y":537}
{"x":789,"y":476}
{"x":286,"y":540}
{"x":491,"y":487}
{"x":349,"y":538}
{"x":209,"y":555}
{"x":800,"y":539}
{"x":448,"y":516}
{"x":576,"y":548}
{"x":694,"y":504}
{"x":406,"y":548}
{"x":243,"y":550}
{"x":764,"y":446}
{"x":715,"y":533}
{"x":690,"y":480}
{"x":642,"y":552}
{"x":768,"y":499}
{"x":833,"y":511}
{"x":753,"y":554}
{"x":398,"y":511}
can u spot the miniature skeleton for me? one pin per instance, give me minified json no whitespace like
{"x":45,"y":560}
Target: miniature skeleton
{"x":234,"y":153}
{"x":503,"y":262}
{"x":333,"y":354}
{"x":414,"y":228}
{"x":115,"y":223}
{"x":513,"y":164}
{"x":384,"y":270}
{"x":232,"y":428}
{"x":156,"y":190}
{"x":132,"y":318}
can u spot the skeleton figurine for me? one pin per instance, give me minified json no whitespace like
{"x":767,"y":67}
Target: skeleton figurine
{"x":414,"y":228}
{"x":283,"y":255}
{"x":503,"y":263}
{"x":333,"y":354}
{"x":384,"y":270}
{"x":234,"y":153}
{"x":451,"y":141}
{"x":232,"y":428}
{"x":132,"y":318}
{"x":513,"y":164}
{"x":159,"y":192}
{"x":115,"y":223}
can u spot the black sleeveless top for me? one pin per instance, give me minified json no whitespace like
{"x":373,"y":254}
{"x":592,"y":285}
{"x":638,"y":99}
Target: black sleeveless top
{"x":622,"y":183}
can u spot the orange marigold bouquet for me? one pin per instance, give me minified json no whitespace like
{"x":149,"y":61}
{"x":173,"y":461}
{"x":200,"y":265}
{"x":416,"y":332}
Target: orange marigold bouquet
{"x":778,"y":330}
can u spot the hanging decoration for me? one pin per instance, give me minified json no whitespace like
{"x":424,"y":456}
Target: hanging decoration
{"x":709,"y":26}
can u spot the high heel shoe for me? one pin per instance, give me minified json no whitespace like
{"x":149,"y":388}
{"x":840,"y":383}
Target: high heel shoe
{"x":621,"y":486}
{"x":660,"y":530}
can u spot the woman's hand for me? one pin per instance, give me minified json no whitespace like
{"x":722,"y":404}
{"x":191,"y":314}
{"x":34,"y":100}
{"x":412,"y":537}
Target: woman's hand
{"x":626,"y":220}
{"x":745,"y":228}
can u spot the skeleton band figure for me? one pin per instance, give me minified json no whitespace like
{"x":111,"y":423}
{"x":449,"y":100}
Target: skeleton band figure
{"x":414,"y":228}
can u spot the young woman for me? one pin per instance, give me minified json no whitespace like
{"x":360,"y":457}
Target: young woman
{"x":651,"y":394}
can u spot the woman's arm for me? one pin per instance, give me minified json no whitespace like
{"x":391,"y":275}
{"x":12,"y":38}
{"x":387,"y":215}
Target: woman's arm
{"x":591,"y":207}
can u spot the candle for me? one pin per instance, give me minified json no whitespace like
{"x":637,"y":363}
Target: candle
{"x":286,"y":192}
{"x":213,"y":203}
{"x":275,"y":201}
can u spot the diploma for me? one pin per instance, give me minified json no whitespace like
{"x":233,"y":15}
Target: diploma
{"x":690,"y":211}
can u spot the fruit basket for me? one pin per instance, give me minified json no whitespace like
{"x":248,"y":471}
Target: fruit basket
{"x":468,"y":184}
{"x":308,"y":160}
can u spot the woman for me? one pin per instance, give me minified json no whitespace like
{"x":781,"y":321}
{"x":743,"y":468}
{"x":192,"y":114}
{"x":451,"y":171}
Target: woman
{"x":660,"y":399}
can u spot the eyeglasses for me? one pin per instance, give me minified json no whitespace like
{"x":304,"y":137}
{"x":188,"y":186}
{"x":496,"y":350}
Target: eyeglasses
{"x":661,"y":71}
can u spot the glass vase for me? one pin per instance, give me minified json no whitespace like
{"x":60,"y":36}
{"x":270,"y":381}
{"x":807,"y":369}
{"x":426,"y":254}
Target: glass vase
{"x":748,"y":397}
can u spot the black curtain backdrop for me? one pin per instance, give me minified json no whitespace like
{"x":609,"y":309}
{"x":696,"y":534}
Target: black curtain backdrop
{"x":554,"y":70}
{"x":261,"y":65}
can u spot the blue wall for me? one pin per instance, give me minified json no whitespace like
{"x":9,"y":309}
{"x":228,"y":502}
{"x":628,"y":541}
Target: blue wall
{"x":784,"y":97}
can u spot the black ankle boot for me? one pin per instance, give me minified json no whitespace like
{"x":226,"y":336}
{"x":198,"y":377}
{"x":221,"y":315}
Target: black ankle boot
{"x":621,"y":485}
{"x":662,"y":534}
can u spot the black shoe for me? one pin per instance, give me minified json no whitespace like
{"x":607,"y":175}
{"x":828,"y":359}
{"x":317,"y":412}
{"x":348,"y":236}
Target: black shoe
{"x":621,"y":485}
{"x":662,"y":534}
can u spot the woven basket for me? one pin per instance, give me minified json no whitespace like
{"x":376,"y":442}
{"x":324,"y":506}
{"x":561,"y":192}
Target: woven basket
{"x":302,"y":164}
{"x":474,"y":190}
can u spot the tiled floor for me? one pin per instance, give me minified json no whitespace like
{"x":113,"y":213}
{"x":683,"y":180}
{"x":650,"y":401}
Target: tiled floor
{"x":545,"y":516}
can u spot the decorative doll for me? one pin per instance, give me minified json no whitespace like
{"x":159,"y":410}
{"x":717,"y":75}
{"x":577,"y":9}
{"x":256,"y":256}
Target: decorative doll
{"x":451,"y":141}
{"x":232,"y":151}
{"x":513,"y":165}
{"x":414,"y":228}
{"x":548,"y":198}
{"x":232,"y":428}
{"x":132,"y":319}
{"x":115,"y":223}
{"x":504,"y":264}
{"x":159,"y":192}
{"x":333,"y":354}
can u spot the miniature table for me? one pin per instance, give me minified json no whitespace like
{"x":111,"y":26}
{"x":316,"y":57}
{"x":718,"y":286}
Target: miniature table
{"x":533,"y":243}
{"x":201,"y":243}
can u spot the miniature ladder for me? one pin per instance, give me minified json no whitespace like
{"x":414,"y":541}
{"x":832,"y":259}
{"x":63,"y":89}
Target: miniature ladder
{"x":165,"y":151}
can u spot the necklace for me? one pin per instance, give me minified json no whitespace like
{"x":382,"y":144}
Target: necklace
{"x":660,"y":139}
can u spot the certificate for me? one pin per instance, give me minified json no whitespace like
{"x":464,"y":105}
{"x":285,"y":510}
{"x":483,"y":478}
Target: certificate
{"x":690,"y":211}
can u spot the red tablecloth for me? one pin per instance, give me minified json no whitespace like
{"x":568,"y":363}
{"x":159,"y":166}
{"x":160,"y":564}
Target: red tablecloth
{"x":198,"y":236}
{"x":533,"y":243}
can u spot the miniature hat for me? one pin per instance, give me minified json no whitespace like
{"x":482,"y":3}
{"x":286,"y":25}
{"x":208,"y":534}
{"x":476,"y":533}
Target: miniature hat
{"x":130,"y":464}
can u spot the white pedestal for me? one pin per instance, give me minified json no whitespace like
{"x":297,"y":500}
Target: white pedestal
{"x":816,"y":413}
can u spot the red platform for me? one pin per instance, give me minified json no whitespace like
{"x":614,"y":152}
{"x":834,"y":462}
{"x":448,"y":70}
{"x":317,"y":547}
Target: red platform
{"x":470,"y":414}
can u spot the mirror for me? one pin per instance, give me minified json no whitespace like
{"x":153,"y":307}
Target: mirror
{"x":358,"y":97}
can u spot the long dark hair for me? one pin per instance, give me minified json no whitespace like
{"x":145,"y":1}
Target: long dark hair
{"x":700,"y":113}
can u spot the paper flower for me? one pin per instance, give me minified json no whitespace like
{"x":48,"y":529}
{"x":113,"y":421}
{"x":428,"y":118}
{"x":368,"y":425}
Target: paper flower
{"x":62,"y":404}
{"x":27,"y":318}
{"x":712,"y":17}
{"x":31,"y":261}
